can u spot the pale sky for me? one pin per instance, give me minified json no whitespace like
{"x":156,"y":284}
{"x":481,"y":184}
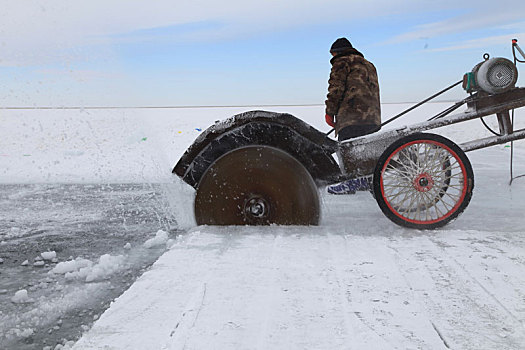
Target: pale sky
{"x":189,"y":53}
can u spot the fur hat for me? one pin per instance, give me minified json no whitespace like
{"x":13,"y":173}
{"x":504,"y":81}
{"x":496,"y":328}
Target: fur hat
{"x":340,"y":45}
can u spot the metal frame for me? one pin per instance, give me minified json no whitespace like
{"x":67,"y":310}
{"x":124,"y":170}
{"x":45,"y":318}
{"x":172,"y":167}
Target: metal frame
{"x":359,"y":156}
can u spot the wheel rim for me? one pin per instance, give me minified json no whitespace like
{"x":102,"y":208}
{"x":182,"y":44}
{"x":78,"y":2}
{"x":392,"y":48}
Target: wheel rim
{"x":257,"y":185}
{"x":423,"y":182}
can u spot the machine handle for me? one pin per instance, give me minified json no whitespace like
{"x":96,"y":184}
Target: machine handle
{"x":515,"y":44}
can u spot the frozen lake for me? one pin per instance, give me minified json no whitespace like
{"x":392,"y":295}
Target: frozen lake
{"x":85,"y":183}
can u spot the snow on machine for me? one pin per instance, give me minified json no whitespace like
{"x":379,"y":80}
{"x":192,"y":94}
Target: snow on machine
{"x":260,"y":168}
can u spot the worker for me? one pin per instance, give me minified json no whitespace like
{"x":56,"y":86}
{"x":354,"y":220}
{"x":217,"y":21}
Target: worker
{"x":352,"y":104}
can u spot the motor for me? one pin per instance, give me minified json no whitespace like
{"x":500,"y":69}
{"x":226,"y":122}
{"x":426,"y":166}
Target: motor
{"x":493,"y":76}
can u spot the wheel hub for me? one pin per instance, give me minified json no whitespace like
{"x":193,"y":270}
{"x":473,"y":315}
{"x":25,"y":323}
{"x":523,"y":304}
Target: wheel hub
{"x":256,"y":208}
{"x":423,"y":182}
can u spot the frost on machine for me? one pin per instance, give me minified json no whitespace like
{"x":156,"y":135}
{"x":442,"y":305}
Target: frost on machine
{"x":260,"y":168}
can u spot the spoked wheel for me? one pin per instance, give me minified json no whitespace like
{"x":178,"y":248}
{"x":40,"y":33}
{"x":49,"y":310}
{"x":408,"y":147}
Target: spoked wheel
{"x":423,"y":181}
{"x":257,"y":185}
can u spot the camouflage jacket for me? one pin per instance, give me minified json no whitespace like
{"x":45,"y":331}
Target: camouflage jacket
{"x":353,"y":91}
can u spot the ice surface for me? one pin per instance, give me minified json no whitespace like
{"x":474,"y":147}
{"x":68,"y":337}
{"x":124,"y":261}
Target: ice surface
{"x":357,"y":280}
{"x":22,"y":332}
{"x":369,"y":285}
{"x":161,"y":237}
{"x":170,"y":243}
{"x":97,"y":220}
{"x":67,"y":344}
{"x":48,"y":255}
{"x":20,"y":297}
{"x":71,"y":266}
{"x":106,"y":266}
{"x":85,"y":269}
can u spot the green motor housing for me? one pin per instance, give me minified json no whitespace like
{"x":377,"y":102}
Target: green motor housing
{"x":469,"y":82}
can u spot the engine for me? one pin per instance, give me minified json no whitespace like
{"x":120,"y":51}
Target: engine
{"x":493,"y":76}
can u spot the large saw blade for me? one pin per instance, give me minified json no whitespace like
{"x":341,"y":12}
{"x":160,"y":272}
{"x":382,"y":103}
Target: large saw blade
{"x":257,"y":185}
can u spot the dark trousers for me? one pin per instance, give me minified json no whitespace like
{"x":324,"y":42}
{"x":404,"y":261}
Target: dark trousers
{"x":352,"y":131}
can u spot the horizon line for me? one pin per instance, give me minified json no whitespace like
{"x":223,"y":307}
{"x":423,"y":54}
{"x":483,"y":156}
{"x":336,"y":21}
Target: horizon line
{"x":193,"y":106}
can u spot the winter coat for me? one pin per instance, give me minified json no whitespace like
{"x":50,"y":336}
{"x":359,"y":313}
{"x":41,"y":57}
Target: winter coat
{"x":353,"y":91}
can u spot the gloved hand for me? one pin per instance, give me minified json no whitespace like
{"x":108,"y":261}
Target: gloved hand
{"x":329,"y":120}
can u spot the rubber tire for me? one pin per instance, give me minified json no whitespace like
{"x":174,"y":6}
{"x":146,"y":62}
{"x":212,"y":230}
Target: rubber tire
{"x":466,"y":173}
{"x":257,"y":174}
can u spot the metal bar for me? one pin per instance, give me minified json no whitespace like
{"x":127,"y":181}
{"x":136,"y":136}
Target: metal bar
{"x":420,"y":103}
{"x":468,"y":115}
{"x":505,"y":125}
{"x":449,"y":110}
{"x":492,"y":141}
{"x":519,"y":48}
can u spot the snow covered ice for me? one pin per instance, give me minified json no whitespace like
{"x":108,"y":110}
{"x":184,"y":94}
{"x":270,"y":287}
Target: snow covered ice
{"x":356,"y":281}
{"x":282,"y":288}
{"x":71,"y":266}
{"x":160,"y":239}
{"x":20,"y":297}
{"x":48,"y":255}
{"x":86,"y":270}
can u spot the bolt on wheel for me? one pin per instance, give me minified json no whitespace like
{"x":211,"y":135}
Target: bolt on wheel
{"x":423,"y":181}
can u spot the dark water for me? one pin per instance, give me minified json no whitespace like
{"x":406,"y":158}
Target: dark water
{"x":74,"y":221}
